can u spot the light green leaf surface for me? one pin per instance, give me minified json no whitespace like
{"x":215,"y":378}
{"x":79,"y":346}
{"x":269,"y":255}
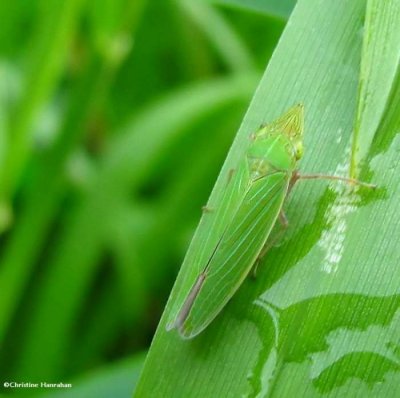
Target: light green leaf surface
{"x":322,"y":319}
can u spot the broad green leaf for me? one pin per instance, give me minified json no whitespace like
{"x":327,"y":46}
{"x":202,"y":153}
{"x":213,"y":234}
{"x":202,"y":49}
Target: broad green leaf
{"x":322,"y":317}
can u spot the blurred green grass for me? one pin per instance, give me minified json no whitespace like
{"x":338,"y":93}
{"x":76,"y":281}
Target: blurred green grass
{"x":115,"y":118}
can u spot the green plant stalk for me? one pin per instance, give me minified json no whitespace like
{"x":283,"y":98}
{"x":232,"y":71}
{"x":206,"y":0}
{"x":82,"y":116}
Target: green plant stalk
{"x":380,"y":58}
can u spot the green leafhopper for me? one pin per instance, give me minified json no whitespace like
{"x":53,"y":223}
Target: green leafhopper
{"x":251,"y":206}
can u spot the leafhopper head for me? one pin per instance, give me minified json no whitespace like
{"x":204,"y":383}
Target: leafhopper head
{"x":291,"y":125}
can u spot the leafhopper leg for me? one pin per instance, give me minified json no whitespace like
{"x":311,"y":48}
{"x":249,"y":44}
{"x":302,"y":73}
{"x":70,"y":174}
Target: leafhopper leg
{"x":231,"y":172}
{"x":283,"y":219}
{"x":269,"y":244}
{"x":296,"y":176}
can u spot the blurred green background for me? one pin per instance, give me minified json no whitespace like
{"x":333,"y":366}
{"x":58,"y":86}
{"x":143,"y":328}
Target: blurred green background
{"x":115,"y":118}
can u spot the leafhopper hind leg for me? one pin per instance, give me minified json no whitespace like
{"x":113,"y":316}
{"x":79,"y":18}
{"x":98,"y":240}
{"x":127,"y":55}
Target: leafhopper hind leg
{"x":352,"y":181}
{"x":271,"y":243}
{"x":283,"y":219}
